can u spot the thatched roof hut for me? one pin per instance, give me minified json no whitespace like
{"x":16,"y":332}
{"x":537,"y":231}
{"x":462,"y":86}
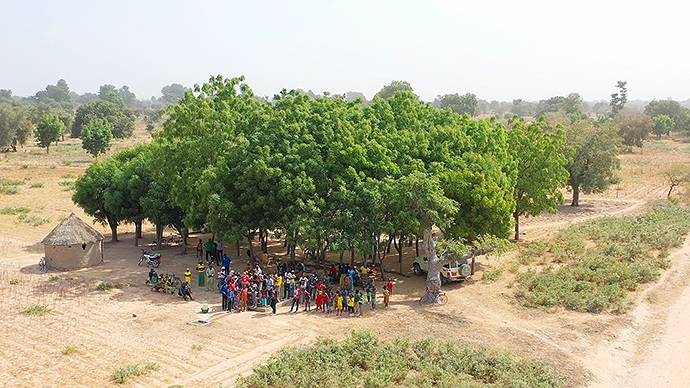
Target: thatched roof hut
{"x":73,"y":244}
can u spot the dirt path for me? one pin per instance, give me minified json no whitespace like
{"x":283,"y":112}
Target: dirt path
{"x":653,"y":350}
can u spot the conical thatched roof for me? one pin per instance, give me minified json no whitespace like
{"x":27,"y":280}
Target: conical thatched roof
{"x":71,"y":231}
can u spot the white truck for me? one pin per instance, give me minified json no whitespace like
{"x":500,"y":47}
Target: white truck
{"x":452,"y":272}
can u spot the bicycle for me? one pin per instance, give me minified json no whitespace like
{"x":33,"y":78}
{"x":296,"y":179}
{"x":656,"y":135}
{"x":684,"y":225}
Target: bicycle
{"x":439,"y":297}
{"x":43,"y":264}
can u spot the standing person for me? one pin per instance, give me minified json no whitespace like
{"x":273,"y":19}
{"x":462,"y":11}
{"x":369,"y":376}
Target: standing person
{"x":224,"y":296}
{"x":226,"y":262}
{"x":201,"y":268}
{"x":231,"y":298}
{"x":274,"y":301}
{"x":243,"y":301}
{"x":373,"y":298}
{"x":390,"y":285}
{"x":329,"y":302}
{"x":214,"y":251}
{"x":208,"y":245}
{"x":350,"y":305}
{"x":219,"y":251}
{"x":188,"y":276}
{"x":295,"y":299}
{"x":200,"y":250}
{"x":319,"y":301}
{"x":210,"y":273}
{"x":338,"y":304}
{"x":386,"y":296}
{"x":360,"y":298}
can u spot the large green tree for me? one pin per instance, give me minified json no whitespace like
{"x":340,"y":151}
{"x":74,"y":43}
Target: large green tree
{"x":662,"y":125}
{"x":15,"y":124}
{"x":93,"y":192}
{"x":539,"y":150}
{"x":593,"y":156}
{"x":679,"y":114}
{"x":49,"y":129}
{"x":634,"y":127}
{"x":389,"y":90}
{"x":96,"y":137}
{"x":122,"y":122}
{"x":462,"y":105}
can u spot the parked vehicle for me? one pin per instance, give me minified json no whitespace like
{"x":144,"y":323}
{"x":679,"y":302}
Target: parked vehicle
{"x":152,"y":260}
{"x":452,"y":272}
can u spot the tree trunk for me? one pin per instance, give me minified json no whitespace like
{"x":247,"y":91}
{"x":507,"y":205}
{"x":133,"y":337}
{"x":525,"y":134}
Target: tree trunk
{"x":159,"y":236}
{"x":516,"y":216}
{"x":251,"y":250}
{"x":416,"y":246}
{"x":576,"y":196}
{"x":399,"y":248}
{"x":352,"y":255}
{"x":185,"y":234}
{"x":237,"y":246}
{"x":48,"y":149}
{"x":433,"y":279}
{"x":137,"y":233}
{"x":668,"y":196}
{"x":113,"y":229}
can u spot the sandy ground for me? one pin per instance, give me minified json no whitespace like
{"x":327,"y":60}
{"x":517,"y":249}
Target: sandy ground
{"x":130,"y":324}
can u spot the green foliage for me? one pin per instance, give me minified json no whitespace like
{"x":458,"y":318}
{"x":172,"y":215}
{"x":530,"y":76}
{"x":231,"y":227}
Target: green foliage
{"x":14,"y":281}
{"x":33,"y":220}
{"x":121,"y":121}
{"x":634,"y":127}
{"x":490,"y":276}
{"x":593,"y":156}
{"x":618,"y":100}
{"x":539,"y":151}
{"x":662,"y":125}
{"x":599,"y":279}
{"x":69,"y":349}
{"x":36,"y":310}
{"x":36,"y":185}
{"x":360,"y":360}
{"x":15,"y":124}
{"x":104,"y":287}
{"x":14,"y":210}
{"x":48,"y":130}
{"x":462,"y":105}
{"x":679,"y":114}
{"x":9,"y":189}
{"x":96,"y":137}
{"x":121,"y":375}
{"x":389,"y":90}
{"x":54,"y":278}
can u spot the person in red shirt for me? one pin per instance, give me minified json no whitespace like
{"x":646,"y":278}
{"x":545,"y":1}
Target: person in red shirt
{"x":244,"y":293}
{"x":295,"y":299}
{"x":390,"y":285}
{"x":319,"y":301}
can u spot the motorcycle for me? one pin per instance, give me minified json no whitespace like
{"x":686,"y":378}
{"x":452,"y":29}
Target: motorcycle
{"x":152,"y":260}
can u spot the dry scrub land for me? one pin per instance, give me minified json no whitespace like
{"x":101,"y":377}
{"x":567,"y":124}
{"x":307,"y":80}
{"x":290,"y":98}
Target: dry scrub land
{"x":86,"y":334}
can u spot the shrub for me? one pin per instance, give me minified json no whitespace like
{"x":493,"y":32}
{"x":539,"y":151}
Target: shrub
{"x":36,"y":185}
{"x":14,"y":210}
{"x":34,"y":221}
{"x":36,"y":310}
{"x":121,"y":375}
{"x":361,"y":361}
{"x":490,"y":276}
{"x":69,"y":349}
{"x":104,"y":287}
{"x":54,"y":278}
{"x":14,"y":281}
{"x":599,"y":279}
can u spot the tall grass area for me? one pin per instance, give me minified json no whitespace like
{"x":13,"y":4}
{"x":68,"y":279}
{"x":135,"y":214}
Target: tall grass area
{"x":626,"y":252}
{"x":361,"y":361}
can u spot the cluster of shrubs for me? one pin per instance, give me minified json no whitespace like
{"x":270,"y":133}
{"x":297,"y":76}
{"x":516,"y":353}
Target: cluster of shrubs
{"x":623,"y":252}
{"x":361,"y":361}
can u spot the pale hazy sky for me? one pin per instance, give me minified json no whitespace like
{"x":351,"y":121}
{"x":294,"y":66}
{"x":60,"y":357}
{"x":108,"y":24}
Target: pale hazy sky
{"x":499,"y":50}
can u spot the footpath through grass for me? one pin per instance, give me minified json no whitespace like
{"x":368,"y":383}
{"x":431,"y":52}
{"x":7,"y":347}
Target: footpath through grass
{"x":622,"y":254}
{"x":361,"y":361}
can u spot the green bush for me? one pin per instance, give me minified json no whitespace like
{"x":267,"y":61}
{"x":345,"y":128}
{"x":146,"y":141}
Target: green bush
{"x":121,"y":375}
{"x":34,"y":221}
{"x":69,"y":349}
{"x":36,"y":185}
{"x":104,"y":287}
{"x":599,"y":279}
{"x":14,"y":210}
{"x":36,"y":310}
{"x":361,"y":361}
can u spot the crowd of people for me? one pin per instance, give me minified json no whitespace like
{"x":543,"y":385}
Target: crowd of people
{"x":344,"y":289}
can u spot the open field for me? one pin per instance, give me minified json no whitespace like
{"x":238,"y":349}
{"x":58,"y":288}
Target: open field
{"x":88,"y":334}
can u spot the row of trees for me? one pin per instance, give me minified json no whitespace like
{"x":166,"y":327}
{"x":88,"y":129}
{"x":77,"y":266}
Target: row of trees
{"x":22,"y":117}
{"x":328,"y":174}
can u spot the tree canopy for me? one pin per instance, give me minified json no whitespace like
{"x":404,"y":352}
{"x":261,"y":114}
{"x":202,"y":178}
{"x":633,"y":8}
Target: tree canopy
{"x":48,"y":130}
